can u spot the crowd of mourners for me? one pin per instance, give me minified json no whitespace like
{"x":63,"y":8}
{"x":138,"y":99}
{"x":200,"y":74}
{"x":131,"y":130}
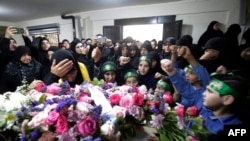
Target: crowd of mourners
{"x":212,"y":74}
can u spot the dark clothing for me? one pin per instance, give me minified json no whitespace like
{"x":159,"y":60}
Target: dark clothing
{"x":5,"y":54}
{"x":15,"y":72}
{"x":51,"y":78}
{"x":209,"y":33}
{"x":148,"y":80}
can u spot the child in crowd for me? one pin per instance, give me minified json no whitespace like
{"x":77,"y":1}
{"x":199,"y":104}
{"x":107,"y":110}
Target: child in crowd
{"x":190,"y":83}
{"x":164,"y":85}
{"x":219,"y":103}
{"x":131,"y":78}
{"x":108,"y":72}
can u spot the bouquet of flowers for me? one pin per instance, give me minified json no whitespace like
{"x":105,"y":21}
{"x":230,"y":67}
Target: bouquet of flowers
{"x":58,"y":112}
{"x":173,"y":122}
{"x":128,"y":104}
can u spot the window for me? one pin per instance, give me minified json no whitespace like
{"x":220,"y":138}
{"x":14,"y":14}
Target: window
{"x":143,"y":32}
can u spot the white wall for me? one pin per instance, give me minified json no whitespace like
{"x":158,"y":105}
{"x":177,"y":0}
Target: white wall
{"x":196,"y":15}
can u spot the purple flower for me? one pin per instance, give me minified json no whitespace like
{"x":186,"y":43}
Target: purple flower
{"x":65,"y":102}
{"x":90,"y":138}
{"x":34,"y":103}
{"x":23,"y":138}
{"x":155,"y":110}
{"x":96,"y":112}
{"x":34,"y":134}
{"x":65,"y":88}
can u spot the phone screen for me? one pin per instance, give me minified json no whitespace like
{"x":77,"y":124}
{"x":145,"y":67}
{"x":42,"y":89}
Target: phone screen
{"x":102,"y":40}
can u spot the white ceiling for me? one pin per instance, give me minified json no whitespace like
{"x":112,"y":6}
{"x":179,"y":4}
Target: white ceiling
{"x":22,"y":10}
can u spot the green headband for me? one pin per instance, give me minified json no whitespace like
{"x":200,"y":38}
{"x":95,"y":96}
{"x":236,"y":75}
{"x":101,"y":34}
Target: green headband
{"x":222,"y":88}
{"x":108,"y":67}
{"x":163,"y":85}
{"x":131,"y":74}
{"x":145,"y":58}
{"x":187,"y":68}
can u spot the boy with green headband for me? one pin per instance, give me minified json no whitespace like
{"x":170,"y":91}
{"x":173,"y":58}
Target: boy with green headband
{"x":164,"y":85}
{"x":131,"y":78}
{"x":108,"y":72}
{"x":219,"y":103}
{"x":223,"y":101}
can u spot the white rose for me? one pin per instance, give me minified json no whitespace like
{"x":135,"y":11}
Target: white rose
{"x":107,"y":129}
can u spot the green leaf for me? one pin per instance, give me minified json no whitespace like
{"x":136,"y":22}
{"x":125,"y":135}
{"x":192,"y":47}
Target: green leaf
{"x":42,"y":99}
{"x":131,"y":132}
{"x":163,"y":137}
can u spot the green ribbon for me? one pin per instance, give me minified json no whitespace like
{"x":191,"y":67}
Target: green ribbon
{"x":187,"y":68}
{"x":163,"y":85}
{"x":131,"y":74}
{"x":108,"y":67}
{"x":222,"y":88}
{"x":145,"y":58}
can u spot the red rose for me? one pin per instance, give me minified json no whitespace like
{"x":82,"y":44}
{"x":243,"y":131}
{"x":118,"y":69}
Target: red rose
{"x":114,"y":99}
{"x":168,"y":98}
{"x":192,"y":111}
{"x":138,"y":99}
{"x":180,"y":110}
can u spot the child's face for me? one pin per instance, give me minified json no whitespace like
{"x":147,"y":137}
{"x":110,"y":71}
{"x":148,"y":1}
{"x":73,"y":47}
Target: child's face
{"x":109,"y":77}
{"x":212,"y":99}
{"x":191,"y":76}
{"x":143,"y":67}
{"x":131,"y":81}
{"x":159,"y":89}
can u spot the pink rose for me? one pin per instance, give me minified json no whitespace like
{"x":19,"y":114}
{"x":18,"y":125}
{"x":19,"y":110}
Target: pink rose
{"x":87,"y":126}
{"x":192,"y":111}
{"x":180,"y":110}
{"x":62,"y":125}
{"x":52,"y":117}
{"x":80,"y":96}
{"x":168,"y":98}
{"x":138,"y":99}
{"x":120,"y":111}
{"x":114,"y":99}
{"x":53,"y":89}
{"x":40,"y":87}
{"x":126,"y":101}
{"x":84,"y":98}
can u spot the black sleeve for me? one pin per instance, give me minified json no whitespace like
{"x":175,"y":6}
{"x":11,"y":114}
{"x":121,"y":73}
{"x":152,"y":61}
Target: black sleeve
{"x":50,"y":78}
{"x":27,"y":41}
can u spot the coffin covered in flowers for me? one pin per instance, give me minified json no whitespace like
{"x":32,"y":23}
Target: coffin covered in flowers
{"x":92,"y":111}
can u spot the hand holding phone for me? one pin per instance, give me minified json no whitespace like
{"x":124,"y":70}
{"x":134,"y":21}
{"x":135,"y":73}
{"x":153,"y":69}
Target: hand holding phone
{"x":19,"y":30}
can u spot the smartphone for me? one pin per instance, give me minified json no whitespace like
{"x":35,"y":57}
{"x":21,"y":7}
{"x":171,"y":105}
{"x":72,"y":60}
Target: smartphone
{"x":102,"y":39}
{"x":19,"y":30}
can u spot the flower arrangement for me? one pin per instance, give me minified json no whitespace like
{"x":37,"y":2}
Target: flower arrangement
{"x":173,"y":122}
{"x":56,"y":112}
{"x":139,"y":106}
{"x":94,"y":111}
